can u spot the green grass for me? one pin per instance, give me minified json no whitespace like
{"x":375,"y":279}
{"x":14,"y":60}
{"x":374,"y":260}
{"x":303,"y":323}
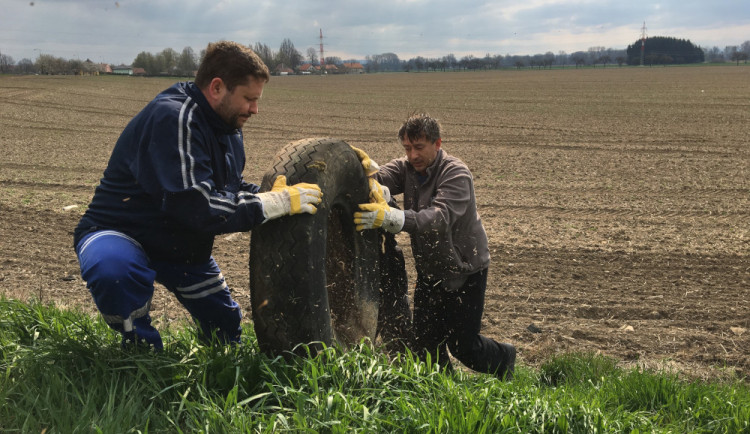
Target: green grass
{"x":62,"y":371}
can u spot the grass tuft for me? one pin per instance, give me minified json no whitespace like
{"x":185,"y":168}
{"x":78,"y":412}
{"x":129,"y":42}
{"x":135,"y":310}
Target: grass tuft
{"x":64,"y":371}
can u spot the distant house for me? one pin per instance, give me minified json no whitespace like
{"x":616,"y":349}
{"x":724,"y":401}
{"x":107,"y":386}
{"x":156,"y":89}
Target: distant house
{"x":283,"y":70}
{"x":354,"y":68}
{"x":307,"y":68}
{"x":139,"y":71}
{"x":122,"y":70}
{"x":104,"y":68}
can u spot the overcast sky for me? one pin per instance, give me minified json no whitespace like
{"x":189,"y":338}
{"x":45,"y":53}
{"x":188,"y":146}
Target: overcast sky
{"x":116,"y":31}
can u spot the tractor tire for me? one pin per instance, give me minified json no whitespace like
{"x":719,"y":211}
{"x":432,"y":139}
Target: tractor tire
{"x":394,"y":315}
{"x":314,"y":279}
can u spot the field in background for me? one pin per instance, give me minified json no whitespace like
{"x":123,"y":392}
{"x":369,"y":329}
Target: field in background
{"x":617,"y":201}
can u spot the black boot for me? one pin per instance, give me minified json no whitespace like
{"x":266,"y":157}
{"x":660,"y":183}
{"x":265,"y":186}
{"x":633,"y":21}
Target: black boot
{"x":506,"y":370}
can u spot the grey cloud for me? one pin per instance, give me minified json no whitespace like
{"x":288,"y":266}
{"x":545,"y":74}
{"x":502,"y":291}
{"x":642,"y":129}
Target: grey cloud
{"x":354,"y":29}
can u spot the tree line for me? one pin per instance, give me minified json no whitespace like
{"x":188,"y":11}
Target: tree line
{"x":168,"y":62}
{"x":658,"y":50}
{"x":665,"y":51}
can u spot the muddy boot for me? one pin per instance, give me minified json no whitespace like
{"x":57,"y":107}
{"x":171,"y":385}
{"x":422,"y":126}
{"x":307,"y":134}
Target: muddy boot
{"x":508,"y":367}
{"x":141,"y":335}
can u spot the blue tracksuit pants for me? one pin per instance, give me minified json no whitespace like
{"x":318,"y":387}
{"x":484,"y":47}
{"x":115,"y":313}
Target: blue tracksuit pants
{"x":121,"y":279}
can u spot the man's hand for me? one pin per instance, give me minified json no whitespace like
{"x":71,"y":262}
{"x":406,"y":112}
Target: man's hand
{"x":378,"y":214}
{"x":289,"y":200}
{"x":382,"y":190}
{"x":368,"y":164}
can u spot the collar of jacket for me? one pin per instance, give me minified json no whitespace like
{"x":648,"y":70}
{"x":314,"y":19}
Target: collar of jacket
{"x":213,"y":118}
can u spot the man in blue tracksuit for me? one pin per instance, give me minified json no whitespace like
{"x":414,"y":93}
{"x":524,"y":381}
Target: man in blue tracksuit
{"x":173,"y":182}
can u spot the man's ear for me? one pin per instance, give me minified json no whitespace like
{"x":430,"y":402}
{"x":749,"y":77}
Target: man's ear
{"x":438,"y":142}
{"x":216,"y":90}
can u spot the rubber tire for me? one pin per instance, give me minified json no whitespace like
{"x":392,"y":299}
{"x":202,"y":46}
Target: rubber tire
{"x":395,"y":328}
{"x":314,"y":279}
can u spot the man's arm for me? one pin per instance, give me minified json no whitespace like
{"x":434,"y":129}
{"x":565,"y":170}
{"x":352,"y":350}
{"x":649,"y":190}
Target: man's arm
{"x":178,"y":167}
{"x":249,"y":187}
{"x":393,"y":175}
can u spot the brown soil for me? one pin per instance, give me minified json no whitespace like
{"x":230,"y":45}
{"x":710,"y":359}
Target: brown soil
{"x":617,"y":201}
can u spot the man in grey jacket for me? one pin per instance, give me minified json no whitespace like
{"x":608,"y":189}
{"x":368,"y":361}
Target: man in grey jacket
{"x":449,"y":245}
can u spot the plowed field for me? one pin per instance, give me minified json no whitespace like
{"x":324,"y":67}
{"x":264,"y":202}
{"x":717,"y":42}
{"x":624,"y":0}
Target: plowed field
{"x":617,"y":201}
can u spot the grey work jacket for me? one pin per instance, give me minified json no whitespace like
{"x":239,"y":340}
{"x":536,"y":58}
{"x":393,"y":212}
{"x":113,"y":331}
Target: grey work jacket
{"x":440,"y":214}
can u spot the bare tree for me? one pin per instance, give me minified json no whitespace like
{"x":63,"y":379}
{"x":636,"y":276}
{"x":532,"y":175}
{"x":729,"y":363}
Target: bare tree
{"x":370,"y":65}
{"x":186,"y":63}
{"x":714,"y":54}
{"x":50,"y":65}
{"x":729,"y":51}
{"x":266,"y":54}
{"x":75,"y":67}
{"x":312,"y":55}
{"x":549,"y":59}
{"x":168,"y":61}
{"x":490,"y":62}
{"x":450,"y":61}
{"x":6,"y":63}
{"x":25,"y":66}
{"x":288,"y":55}
{"x":737,"y":56}
{"x":578,"y":58}
{"x":333,"y":60}
{"x":594,"y":53}
{"x":745,"y":48}
{"x":385,"y":62}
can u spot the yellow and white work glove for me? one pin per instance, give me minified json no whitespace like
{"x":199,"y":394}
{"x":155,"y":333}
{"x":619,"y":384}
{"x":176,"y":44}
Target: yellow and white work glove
{"x":378,"y":214}
{"x":370,"y":166}
{"x":378,"y":188}
{"x":289,"y":199}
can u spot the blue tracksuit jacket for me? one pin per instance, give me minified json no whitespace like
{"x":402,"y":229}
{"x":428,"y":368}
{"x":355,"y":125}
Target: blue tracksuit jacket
{"x":174,"y":180}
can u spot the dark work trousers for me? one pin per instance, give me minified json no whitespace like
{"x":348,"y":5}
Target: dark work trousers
{"x":451,"y":319}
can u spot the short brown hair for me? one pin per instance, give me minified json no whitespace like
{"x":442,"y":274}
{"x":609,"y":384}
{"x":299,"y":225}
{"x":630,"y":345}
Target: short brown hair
{"x":232,"y":63}
{"x":419,"y":125}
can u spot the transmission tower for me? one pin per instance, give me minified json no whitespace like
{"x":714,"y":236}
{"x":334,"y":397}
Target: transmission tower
{"x":643,"y":42}
{"x":322,"y":59}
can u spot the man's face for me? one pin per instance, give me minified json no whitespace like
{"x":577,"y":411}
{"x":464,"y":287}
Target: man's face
{"x":236,"y":107}
{"x":421,"y":153}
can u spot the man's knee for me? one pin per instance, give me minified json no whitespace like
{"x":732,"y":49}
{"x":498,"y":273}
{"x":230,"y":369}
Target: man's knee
{"x":108,"y":271}
{"x":119,"y":285}
{"x":110,"y":261}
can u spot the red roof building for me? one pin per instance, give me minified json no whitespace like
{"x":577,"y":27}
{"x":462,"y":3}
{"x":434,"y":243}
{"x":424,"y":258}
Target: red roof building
{"x":354,"y":68}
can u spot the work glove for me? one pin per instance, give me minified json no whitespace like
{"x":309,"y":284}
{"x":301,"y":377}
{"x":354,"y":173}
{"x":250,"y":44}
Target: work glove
{"x":289,"y":200}
{"x":378,"y":214}
{"x":384,"y":191}
{"x":368,"y":164}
